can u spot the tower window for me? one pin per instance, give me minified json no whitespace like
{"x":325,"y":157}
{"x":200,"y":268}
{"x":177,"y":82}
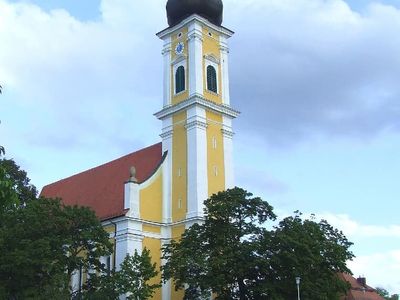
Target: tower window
{"x":212,"y":79}
{"x":180,"y":79}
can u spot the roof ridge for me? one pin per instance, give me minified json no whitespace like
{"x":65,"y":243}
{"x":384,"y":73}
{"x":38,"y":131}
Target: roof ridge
{"x":101,"y":165}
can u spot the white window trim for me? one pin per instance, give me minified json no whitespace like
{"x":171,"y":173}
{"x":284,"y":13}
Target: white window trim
{"x":178,"y":62}
{"x":211,"y":60}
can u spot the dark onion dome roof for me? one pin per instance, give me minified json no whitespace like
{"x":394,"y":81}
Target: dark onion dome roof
{"x":178,"y":10}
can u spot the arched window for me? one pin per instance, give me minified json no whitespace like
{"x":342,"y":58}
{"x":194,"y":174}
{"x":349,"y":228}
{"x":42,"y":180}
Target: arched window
{"x":180,"y":79}
{"x":212,"y":79}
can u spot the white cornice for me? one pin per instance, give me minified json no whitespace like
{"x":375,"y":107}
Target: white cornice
{"x":212,"y":58}
{"x":222,"y":30}
{"x":178,"y":59}
{"x":196,"y":124}
{"x":197,"y":100}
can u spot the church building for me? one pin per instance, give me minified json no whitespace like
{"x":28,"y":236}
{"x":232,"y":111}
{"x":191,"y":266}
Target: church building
{"x":148,"y":197}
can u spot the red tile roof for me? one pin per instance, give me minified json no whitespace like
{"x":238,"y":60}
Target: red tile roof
{"x":102,"y":188}
{"x":359,"y":291}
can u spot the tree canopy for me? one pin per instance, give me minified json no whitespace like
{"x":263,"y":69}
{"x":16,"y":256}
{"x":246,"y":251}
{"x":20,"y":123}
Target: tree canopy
{"x":133,"y":280}
{"x":385,"y":294}
{"x":20,"y":180}
{"x":233,"y":255}
{"x":43,"y":242}
{"x":313,"y":251}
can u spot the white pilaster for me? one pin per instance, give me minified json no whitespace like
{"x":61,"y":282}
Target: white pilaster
{"x":227,"y":134}
{"x":224,"y":51}
{"x":132,"y":199}
{"x":197,"y":160}
{"x":195,"y":58}
{"x":167,"y":135}
{"x":166,"y":239}
{"x":128,"y":238}
{"x":167,"y":71}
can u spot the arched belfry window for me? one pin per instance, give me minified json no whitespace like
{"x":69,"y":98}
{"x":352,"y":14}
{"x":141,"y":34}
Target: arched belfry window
{"x":179,"y":79}
{"x":212,"y":79}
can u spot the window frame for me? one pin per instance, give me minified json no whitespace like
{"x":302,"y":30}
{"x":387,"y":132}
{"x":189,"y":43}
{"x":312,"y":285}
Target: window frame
{"x":213,"y":61}
{"x":212,"y":81}
{"x":179,"y":62}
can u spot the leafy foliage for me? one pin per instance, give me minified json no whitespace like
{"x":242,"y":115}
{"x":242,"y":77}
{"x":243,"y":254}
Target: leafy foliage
{"x":218,"y":255}
{"x":133,"y":280}
{"x":385,"y":294}
{"x":19,"y":179}
{"x":234,"y":256}
{"x":8,"y":197}
{"x":314,"y":251}
{"x":44,"y":242}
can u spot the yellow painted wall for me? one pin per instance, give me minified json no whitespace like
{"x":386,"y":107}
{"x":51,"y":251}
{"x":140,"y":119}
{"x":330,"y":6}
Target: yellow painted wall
{"x":154,"y":245}
{"x":175,"y":40}
{"x":179,"y":157}
{"x":151,"y":200}
{"x":211,"y":45}
{"x":177,"y":231}
{"x":216,"y":182}
{"x":151,"y":228}
{"x":109,"y":228}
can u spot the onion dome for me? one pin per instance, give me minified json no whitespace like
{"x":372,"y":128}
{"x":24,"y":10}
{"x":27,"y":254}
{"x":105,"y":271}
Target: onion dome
{"x":178,"y":10}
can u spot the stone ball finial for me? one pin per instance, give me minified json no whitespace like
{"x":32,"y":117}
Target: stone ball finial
{"x":132,"y":172}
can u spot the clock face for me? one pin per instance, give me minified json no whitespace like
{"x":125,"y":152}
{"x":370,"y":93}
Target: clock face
{"x":179,"y":48}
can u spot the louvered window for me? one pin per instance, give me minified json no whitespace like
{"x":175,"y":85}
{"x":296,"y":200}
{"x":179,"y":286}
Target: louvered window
{"x":212,"y":79}
{"x":180,"y":79}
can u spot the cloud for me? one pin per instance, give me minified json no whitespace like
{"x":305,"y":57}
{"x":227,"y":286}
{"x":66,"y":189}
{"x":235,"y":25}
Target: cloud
{"x":377,"y":250}
{"x":370,"y":266}
{"x":75,"y":80}
{"x":355,"y":229}
{"x":315,"y":67}
{"x":300,"y":69}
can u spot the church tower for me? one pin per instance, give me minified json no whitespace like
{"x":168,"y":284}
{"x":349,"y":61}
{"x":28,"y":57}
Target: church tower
{"x":196,"y":115}
{"x":164,"y":192}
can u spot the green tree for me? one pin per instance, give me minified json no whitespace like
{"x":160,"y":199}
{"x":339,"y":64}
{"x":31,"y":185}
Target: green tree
{"x":21,"y":182}
{"x":385,"y":294}
{"x":133,"y":279}
{"x":8,"y":197}
{"x":313,"y":251}
{"x":234,"y":256}
{"x":382,"y":292}
{"x":219,"y":255}
{"x":42,"y":242}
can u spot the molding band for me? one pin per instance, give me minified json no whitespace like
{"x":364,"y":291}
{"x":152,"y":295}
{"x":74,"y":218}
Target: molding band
{"x":196,"y":124}
{"x":197,"y":100}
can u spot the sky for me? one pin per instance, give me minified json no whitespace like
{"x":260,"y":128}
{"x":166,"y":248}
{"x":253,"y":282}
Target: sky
{"x":317,"y":82}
